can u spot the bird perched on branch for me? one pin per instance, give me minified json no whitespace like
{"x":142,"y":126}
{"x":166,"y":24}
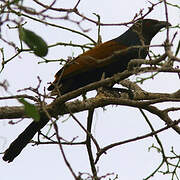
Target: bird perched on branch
{"x":89,"y":67}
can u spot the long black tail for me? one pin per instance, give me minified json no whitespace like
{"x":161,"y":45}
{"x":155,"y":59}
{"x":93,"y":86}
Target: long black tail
{"x":23,"y":139}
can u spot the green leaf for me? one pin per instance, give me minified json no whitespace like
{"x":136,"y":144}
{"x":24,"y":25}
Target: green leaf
{"x":13,"y":2}
{"x":30,"y":109}
{"x":16,"y":1}
{"x":33,"y":41}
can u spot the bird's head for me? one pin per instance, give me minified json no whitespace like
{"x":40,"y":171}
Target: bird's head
{"x":148,"y":28}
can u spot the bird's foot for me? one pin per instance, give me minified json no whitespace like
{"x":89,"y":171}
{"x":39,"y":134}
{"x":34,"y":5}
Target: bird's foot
{"x":115,"y":92}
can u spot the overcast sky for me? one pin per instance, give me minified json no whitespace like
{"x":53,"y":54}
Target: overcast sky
{"x":129,"y":161}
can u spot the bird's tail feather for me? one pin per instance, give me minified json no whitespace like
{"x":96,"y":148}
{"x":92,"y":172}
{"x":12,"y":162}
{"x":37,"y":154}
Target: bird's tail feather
{"x":23,"y":139}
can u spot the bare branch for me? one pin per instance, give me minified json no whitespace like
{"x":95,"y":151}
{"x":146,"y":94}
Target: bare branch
{"x":103,"y":150}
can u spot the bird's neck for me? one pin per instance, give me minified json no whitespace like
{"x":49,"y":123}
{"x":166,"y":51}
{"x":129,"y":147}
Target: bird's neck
{"x":131,"y":38}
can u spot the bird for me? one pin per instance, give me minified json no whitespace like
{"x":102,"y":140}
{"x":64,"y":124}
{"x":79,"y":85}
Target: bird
{"x":90,"y":66}
{"x":87,"y":67}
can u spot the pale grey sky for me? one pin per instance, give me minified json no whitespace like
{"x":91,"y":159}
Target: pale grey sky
{"x":129,"y":161}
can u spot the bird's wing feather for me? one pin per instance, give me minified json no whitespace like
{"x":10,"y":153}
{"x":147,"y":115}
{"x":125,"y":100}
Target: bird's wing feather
{"x":90,"y":59}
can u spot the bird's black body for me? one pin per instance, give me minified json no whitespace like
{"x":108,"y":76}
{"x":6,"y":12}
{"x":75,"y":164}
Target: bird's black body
{"x":74,"y":76}
{"x":89,"y":67}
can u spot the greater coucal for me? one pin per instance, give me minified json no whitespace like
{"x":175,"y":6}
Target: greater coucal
{"x":88,"y":68}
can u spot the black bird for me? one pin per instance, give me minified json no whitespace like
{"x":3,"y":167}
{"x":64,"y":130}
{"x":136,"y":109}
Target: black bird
{"x":88,"y":68}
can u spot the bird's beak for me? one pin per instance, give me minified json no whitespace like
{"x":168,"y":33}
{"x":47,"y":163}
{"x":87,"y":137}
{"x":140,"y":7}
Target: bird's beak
{"x":163,"y":24}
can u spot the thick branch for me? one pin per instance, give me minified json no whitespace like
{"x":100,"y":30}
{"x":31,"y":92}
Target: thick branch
{"x":59,"y":107}
{"x":77,"y":106}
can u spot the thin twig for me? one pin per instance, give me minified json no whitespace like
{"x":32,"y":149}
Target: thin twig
{"x":103,"y":150}
{"x":156,"y":137}
{"x":60,"y":144}
{"x":88,"y":143}
{"x":87,"y":132}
